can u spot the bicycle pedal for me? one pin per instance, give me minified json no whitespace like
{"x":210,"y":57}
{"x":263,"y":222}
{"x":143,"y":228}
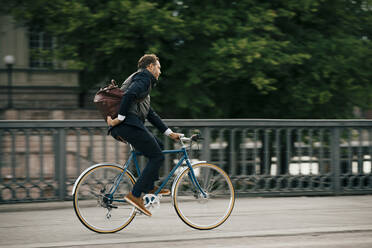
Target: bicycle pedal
{"x":112,"y":206}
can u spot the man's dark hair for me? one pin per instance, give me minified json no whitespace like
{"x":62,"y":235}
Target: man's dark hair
{"x":147,"y":60}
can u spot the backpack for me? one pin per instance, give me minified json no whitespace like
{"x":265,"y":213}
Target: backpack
{"x":107,"y":99}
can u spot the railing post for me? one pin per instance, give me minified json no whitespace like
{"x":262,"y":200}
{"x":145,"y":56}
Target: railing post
{"x":335,"y":160}
{"x":206,"y":153}
{"x":267,"y":153}
{"x":233,"y":165}
{"x":60,"y":162}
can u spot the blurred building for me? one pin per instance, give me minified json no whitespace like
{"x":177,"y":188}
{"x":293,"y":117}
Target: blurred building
{"x":32,"y":84}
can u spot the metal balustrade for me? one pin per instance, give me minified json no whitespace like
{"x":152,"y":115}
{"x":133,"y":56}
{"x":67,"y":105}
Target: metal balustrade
{"x":40,"y":160}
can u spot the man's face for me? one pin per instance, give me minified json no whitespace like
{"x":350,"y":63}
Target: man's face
{"x":154,"y":69}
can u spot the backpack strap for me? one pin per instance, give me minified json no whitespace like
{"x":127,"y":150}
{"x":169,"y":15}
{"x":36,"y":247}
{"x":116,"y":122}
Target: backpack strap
{"x":128,"y":82}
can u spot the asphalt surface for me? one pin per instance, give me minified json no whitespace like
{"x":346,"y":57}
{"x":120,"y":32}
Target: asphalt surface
{"x":282,"y":222}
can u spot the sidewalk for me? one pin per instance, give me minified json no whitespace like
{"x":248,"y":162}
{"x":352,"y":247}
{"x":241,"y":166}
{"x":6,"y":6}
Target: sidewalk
{"x":260,"y":219}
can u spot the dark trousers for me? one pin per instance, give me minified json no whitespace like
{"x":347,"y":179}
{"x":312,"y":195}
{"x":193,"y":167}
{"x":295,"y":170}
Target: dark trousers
{"x":146,"y":143}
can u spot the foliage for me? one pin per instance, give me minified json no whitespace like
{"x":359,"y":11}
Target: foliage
{"x":224,"y":59}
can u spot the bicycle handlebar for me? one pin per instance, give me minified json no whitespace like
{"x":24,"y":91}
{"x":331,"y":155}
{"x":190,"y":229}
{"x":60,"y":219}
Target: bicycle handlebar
{"x":194,"y":137}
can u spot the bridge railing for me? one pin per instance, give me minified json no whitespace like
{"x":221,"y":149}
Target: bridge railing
{"x":40,"y":160}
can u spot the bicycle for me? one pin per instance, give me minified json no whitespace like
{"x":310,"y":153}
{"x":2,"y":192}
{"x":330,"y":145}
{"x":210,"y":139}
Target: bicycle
{"x":202,"y":193}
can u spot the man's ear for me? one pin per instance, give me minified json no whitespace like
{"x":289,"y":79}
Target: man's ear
{"x":150,"y":67}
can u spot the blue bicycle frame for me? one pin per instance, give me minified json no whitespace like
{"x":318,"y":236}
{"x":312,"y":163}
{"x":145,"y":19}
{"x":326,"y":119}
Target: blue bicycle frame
{"x":133,"y":156}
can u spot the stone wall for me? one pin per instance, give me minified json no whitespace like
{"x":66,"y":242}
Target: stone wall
{"x":74,"y":114}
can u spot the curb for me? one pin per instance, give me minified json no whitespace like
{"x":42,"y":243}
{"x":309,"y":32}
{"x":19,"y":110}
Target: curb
{"x":201,"y":236}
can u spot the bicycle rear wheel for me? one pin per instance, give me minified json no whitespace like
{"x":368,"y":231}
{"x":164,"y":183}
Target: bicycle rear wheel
{"x":99,"y":201}
{"x":200,"y":211}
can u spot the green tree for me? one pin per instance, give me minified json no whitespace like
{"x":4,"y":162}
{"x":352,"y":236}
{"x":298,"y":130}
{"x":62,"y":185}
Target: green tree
{"x":220,"y":58}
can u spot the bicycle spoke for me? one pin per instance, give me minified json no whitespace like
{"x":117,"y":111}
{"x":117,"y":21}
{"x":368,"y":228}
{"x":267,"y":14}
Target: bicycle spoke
{"x":95,"y":194}
{"x":213,"y":181}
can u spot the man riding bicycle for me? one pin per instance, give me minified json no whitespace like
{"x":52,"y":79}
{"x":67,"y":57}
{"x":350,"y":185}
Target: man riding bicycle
{"x":129,"y":126}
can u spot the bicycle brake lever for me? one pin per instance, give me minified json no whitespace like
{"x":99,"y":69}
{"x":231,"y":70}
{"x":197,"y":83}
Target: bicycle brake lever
{"x":196,"y":137}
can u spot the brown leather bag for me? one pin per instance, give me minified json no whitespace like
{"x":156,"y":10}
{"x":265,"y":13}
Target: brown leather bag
{"x":108,"y":99}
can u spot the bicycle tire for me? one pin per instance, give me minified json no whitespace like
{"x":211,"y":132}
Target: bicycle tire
{"x":197,"y":211}
{"x":92,"y":206}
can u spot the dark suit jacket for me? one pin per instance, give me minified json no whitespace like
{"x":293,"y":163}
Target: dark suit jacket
{"x":139,"y":88}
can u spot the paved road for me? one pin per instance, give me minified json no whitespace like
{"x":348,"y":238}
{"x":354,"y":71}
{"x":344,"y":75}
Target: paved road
{"x":282,"y":222}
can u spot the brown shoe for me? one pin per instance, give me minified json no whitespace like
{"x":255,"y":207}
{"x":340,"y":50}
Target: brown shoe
{"x":138,"y":203}
{"x":162,"y":191}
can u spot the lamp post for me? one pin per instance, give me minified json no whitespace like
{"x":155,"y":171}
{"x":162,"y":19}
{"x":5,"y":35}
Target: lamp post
{"x":9,"y":61}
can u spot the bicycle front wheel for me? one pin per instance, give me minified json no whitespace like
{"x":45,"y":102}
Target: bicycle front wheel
{"x":204,"y":211}
{"x":99,"y":199}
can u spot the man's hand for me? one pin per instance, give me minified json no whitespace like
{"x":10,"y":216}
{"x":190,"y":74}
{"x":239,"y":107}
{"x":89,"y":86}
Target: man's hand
{"x":112,"y":122}
{"x":175,"y":136}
